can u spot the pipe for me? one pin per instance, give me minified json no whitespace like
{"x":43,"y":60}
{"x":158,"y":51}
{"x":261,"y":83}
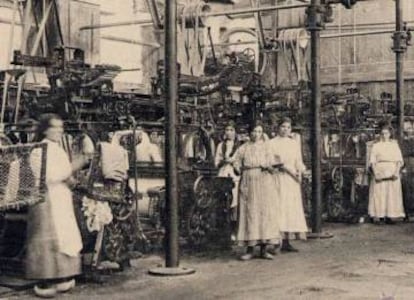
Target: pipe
{"x":7,"y":79}
{"x":171,"y":95}
{"x":129,"y":41}
{"x":358,"y":33}
{"x":315,"y":42}
{"x":366,"y":24}
{"x":399,"y":68}
{"x":275,"y":33}
{"x":231,"y":44}
{"x":259,"y":24}
{"x":323,"y":36}
{"x":153,"y":9}
{"x":116,"y":24}
{"x":211,"y":14}
{"x":254,"y":10}
{"x":346,"y":26}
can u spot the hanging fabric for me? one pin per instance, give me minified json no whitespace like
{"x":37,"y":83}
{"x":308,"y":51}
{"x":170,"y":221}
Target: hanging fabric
{"x":193,"y":34}
{"x":294,"y":43}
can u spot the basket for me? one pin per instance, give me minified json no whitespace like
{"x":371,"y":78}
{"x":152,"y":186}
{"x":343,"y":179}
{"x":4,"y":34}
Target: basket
{"x":22,"y":175}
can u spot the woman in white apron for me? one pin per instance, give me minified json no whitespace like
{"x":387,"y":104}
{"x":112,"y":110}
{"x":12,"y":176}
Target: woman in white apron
{"x":53,"y":237}
{"x":286,"y":153}
{"x":385,"y":192}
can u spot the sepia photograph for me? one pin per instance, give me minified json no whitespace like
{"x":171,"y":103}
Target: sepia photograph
{"x":207,"y":149}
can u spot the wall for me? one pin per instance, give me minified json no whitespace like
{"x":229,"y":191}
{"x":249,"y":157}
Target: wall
{"x":218,"y":25}
{"x":125,"y":54}
{"x":365,"y":61}
{"x":72,"y":15}
{"x":75,"y":14}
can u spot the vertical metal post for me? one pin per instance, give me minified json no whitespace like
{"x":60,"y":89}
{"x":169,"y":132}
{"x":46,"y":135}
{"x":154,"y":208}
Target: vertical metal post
{"x":171,"y":98}
{"x":315,"y":28}
{"x":399,"y":50}
{"x":275,"y":27}
{"x":171,"y":94}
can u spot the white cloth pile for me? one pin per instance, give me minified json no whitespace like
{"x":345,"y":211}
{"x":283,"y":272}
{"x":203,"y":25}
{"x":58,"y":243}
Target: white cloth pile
{"x":97,"y":213}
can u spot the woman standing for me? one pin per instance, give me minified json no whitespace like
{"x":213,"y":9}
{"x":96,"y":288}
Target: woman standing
{"x":257,"y":209}
{"x":224,"y":161}
{"x":53,"y":237}
{"x":286,"y":153}
{"x":385,"y":193}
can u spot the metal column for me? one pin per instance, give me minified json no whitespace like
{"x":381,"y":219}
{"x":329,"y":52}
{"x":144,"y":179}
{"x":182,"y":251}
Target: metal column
{"x":171,"y":98}
{"x":315,"y":28}
{"x":399,"y":50}
{"x":171,"y":94}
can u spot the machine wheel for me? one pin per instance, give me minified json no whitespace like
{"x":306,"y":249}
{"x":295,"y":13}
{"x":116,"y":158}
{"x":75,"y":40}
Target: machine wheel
{"x":202,"y":193}
{"x":337,"y":178}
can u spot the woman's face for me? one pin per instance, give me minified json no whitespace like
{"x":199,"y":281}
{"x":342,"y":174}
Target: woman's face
{"x":385,"y":134}
{"x":230,"y":133}
{"x":139,"y":136}
{"x":257,"y":133}
{"x":55,"y":130}
{"x":154,"y":136}
{"x":285,"y":129}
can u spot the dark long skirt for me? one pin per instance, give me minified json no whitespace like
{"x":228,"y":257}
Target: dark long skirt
{"x":43,"y":260}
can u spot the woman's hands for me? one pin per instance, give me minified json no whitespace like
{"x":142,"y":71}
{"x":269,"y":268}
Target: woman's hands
{"x":81,"y":161}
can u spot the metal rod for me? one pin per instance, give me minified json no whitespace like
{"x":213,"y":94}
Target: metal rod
{"x":42,"y":27}
{"x":20,"y":87}
{"x":44,"y":38}
{"x":230,"y":44}
{"x":91,"y":37}
{"x":315,"y":42}
{"x":153,"y":9}
{"x":129,"y":41}
{"x":358,"y":33}
{"x":259,"y":23}
{"x":253,"y":10}
{"x":4,"y":98}
{"x":149,"y":22}
{"x":11,"y":33}
{"x":322,"y":36}
{"x":210,"y":14}
{"x":116,"y":24}
{"x":210,"y":39}
{"x":130,"y":70}
{"x":171,"y":95}
{"x":275,"y":28}
{"x":366,"y":24}
{"x":346,"y":26}
{"x":399,"y":69}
